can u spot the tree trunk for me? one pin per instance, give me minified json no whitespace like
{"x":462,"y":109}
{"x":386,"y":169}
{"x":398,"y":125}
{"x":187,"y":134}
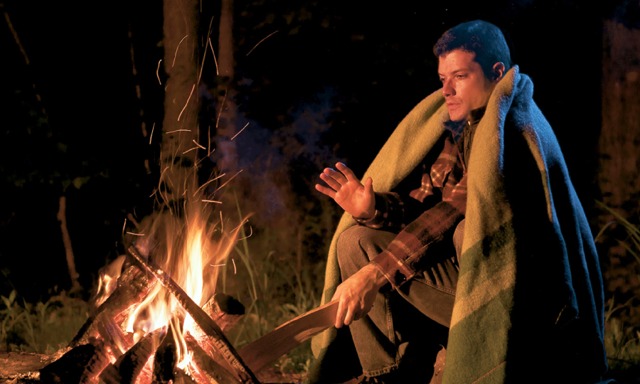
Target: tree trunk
{"x":178,"y":154}
{"x":619,"y":173}
{"x":226,"y":129}
{"x":68,"y":249}
{"x":619,"y":166}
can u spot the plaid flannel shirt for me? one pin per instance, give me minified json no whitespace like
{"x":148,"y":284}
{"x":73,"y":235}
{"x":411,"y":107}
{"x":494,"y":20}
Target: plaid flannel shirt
{"x":446,"y":183}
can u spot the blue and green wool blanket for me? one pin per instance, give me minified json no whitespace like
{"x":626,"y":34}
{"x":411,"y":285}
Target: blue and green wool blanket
{"x":529,"y":300}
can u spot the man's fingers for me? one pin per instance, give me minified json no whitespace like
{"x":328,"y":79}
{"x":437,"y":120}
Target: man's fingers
{"x":334,"y":179}
{"x":327,"y":191}
{"x":340,"y":315}
{"x":347,"y":172}
{"x":339,"y":177}
{"x":330,"y":181}
{"x":350,"y":317}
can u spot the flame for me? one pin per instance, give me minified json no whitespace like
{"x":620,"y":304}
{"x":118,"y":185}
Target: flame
{"x":190,"y":248}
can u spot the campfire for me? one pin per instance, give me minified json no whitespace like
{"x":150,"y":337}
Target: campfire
{"x":157,"y":315}
{"x":158,"y":318}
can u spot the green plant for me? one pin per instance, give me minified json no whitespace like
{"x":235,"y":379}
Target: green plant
{"x":43,"y":327}
{"x":622,"y":342}
{"x":622,"y":335}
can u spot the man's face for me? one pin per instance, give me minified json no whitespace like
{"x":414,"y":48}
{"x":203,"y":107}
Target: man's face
{"x":464,"y":85}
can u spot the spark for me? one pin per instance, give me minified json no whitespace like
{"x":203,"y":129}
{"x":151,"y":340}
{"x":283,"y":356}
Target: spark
{"x":224,"y":101}
{"x":187,"y":102}
{"x":211,"y":201}
{"x":235,"y":270}
{"x":207,"y":183}
{"x":178,"y":130}
{"x":158,"y":71}
{"x":134,"y":234}
{"x":16,"y":38}
{"x":213,"y":52}
{"x":260,"y":42}
{"x":227,"y":182}
{"x":175,"y":55}
{"x":153,"y":129}
{"x":248,"y":235}
{"x":199,"y":145}
{"x":189,"y":150}
{"x":215,"y":60}
{"x":240,"y":131}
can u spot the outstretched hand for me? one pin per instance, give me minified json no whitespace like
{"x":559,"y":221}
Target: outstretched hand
{"x":348,"y":192}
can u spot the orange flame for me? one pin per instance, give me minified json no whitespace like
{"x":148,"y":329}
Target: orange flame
{"x":191,"y":249}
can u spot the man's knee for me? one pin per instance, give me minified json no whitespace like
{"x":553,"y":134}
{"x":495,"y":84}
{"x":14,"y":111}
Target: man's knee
{"x":357,"y":245}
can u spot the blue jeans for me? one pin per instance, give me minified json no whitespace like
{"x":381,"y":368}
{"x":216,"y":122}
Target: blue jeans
{"x":405,"y":328}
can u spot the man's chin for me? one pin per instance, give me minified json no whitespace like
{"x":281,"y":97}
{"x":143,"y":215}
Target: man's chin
{"x":455,"y":118}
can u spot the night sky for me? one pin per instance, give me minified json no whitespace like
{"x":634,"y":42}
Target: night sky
{"x":369,"y":63}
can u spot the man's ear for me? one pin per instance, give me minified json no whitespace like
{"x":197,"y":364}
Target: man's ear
{"x":498,"y":70}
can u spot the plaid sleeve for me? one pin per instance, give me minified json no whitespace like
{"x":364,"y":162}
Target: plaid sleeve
{"x":400,"y":261}
{"x":389,"y":212}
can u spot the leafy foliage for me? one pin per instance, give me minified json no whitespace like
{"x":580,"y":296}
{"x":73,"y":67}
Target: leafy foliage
{"x":41,"y":327}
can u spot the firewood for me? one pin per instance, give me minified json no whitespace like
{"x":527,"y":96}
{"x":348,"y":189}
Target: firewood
{"x":78,"y":365}
{"x":214,"y":335}
{"x":112,"y":334}
{"x":225,"y":310}
{"x":129,"y":366}
{"x":98,"y":362}
{"x":204,"y":368}
{"x":133,"y":286}
{"x":164,"y":361}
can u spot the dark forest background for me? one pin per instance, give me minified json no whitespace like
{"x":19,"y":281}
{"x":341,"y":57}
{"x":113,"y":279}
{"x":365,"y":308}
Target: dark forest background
{"x":318,"y":82}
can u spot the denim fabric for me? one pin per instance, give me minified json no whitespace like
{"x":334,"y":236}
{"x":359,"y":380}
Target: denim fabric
{"x":405,"y":328}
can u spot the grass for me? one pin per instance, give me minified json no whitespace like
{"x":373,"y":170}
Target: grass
{"x":622,"y":335}
{"x":42,"y":327}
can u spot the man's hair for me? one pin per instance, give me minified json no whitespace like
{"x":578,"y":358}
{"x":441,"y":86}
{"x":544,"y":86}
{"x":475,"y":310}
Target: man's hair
{"x":480,"y":37}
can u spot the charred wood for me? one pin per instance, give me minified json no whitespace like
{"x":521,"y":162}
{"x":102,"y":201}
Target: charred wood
{"x":164,"y":361}
{"x":113,"y":335}
{"x":129,"y":366}
{"x":81,"y":364}
{"x":225,"y":310}
{"x":133,"y":285}
{"x":205,"y":368}
{"x":215,"y":336}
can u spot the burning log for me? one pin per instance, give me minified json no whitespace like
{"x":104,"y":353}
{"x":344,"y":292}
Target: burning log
{"x":225,"y":310}
{"x":164,"y":362}
{"x":137,"y":358}
{"x":215,"y":337}
{"x":205,"y":368}
{"x":113,"y":336}
{"x":81,"y":364}
{"x":103,"y":352}
{"x":133,"y":286}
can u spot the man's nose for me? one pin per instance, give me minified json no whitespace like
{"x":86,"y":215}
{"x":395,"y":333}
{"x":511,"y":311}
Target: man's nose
{"x":447,"y":89}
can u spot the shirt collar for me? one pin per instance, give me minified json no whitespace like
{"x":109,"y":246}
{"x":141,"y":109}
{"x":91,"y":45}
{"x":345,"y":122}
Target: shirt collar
{"x":456,"y":127}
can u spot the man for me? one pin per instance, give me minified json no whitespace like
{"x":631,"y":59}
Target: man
{"x":466,"y":232}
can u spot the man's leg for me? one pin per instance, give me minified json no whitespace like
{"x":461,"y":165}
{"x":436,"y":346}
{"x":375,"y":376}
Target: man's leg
{"x":394,"y":334}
